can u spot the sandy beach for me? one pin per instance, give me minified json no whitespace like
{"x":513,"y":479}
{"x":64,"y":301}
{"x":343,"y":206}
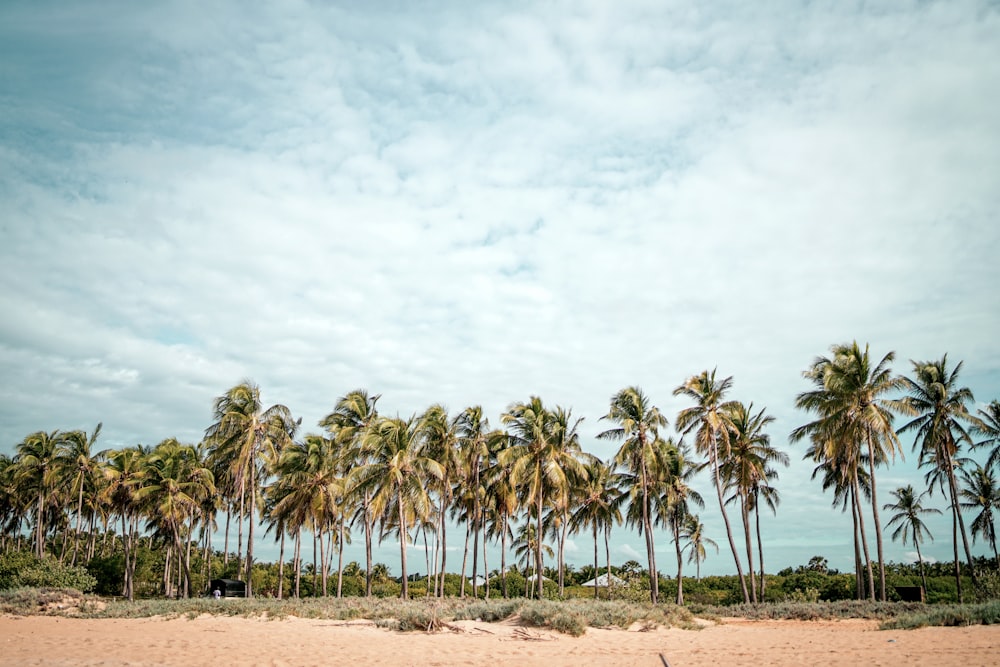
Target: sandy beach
{"x":52,"y":641}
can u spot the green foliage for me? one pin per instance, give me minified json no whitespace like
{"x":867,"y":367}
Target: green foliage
{"x":947,"y":615}
{"x":20,"y":569}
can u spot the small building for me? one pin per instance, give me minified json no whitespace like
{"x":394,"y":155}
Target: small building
{"x":228,"y":588}
{"x":603,"y":581}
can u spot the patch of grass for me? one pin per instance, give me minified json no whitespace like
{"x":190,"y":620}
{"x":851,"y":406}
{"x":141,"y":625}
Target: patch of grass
{"x":812,"y":611}
{"x":987,"y":613}
{"x":41,"y":601}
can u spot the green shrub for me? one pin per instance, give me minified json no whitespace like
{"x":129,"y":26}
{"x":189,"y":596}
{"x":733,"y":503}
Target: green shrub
{"x":19,"y":569}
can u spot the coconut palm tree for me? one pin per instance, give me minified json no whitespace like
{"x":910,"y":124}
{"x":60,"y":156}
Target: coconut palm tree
{"x":693,"y":533}
{"x":672,"y":470}
{"x":908,"y":522}
{"x":542,"y":457}
{"x":987,"y":425}
{"x":980,"y":493}
{"x":854,"y":415}
{"x":441,"y":443}
{"x":501,"y":500}
{"x":599,"y":508}
{"x":352,"y":416}
{"x":398,"y":475}
{"x":749,"y":467}
{"x":709,"y":420}
{"x":80,"y":468}
{"x":124,"y":473}
{"x":175,"y":482}
{"x":939,"y":407}
{"x":249,"y":437}
{"x":637,"y":427}
{"x":37,"y":468}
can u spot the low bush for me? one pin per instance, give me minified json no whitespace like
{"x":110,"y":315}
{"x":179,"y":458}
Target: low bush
{"x":19,"y":569}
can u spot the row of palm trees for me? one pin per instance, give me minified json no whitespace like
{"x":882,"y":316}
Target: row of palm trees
{"x":519,"y":485}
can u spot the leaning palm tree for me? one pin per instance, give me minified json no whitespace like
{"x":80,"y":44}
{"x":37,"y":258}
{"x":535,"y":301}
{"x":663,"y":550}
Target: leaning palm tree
{"x":398,"y":475}
{"x":908,"y":522}
{"x":250,"y":437}
{"x":981,"y":494}
{"x":940,"y":411}
{"x":542,"y":457}
{"x":673,"y":470}
{"x":352,"y":416}
{"x":37,"y":469}
{"x":599,"y":508}
{"x":854,"y":415}
{"x":637,"y":428}
{"x":709,"y":420}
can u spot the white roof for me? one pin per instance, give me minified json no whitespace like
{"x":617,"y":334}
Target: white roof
{"x":603,"y":581}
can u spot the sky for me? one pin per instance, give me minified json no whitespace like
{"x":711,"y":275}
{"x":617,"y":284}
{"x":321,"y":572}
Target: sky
{"x":474,"y":203}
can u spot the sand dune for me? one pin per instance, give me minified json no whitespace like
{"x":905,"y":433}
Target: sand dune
{"x":215,"y":641}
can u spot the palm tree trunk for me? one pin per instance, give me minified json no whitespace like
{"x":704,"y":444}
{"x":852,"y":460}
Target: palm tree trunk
{"x":40,"y":524}
{"x":253,"y":520}
{"x":725,"y":519}
{"x":297,"y":562}
{"x":920,"y":559}
{"x":961,"y":521}
{"x":444,"y":550}
{"x":745,"y":515}
{"x":596,"y":587}
{"x":475,"y":556}
{"x":503,"y":556}
{"x":322,"y":555}
{"x":607,"y":555}
{"x":864,"y":538}
{"x":957,"y":562}
{"x":281,"y":563}
{"x":340,"y":559}
{"x":878,"y":525}
{"x":760,"y":546}
{"x":369,"y":521}
{"x":538,"y":535}
{"x":225,"y":543}
{"x":680,"y":559}
{"x":403,"y":538}
{"x":465,"y":560}
{"x":647,"y":529}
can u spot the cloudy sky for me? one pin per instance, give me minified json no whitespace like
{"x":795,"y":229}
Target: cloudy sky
{"x":472,"y":203}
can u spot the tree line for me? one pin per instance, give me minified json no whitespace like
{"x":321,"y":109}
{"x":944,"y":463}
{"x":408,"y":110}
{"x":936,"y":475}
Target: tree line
{"x":525,"y":485}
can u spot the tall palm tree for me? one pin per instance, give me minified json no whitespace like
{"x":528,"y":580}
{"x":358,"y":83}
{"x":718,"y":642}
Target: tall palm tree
{"x":980,"y":493}
{"x":37,"y":469}
{"x":398,"y":475}
{"x":441,"y":443}
{"x":81,"y":466}
{"x":853,"y":414}
{"x":124,"y":473}
{"x":939,"y":407}
{"x":748,"y":468}
{"x":987,"y":425}
{"x":637,"y":427}
{"x":250,"y":436}
{"x":709,"y":420}
{"x":693,"y":532}
{"x":352,"y":417}
{"x":501,"y":500}
{"x":599,"y":508}
{"x":908,"y":522}
{"x":542,"y":457}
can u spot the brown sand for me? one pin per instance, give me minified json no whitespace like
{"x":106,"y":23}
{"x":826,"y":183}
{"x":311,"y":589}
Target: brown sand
{"x":219,"y":641}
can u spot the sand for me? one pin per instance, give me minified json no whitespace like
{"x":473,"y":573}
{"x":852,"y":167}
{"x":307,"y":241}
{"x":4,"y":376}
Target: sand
{"x":215,"y":641}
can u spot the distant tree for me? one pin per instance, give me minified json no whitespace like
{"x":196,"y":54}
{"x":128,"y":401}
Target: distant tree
{"x":908,"y":522}
{"x":981,"y":494}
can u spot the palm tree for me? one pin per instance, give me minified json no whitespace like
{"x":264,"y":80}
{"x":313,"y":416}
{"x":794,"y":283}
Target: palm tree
{"x":748,"y":468}
{"x":124,"y":474}
{"x":81,"y":466}
{"x":908,"y":522}
{"x":981,"y":493}
{"x":939,"y":406}
{"x":673,"y":470}
{"x":352,"y":417}
{"x":709,"y":420}
{"x":249,"y":435}
{"x":527,"y":545}
{"x":693,"y":532}
{"x":542,"y":457}
{"x":637,"y":428}
{"x":398,"y":476}
{"x":441,"y":438}
{"x":501,"y":500}
{"x":175,"y":483}
{"x":37,"y":469}
{"x":988,"y":425}
{"x":599,"y":508}
{"x":854,"y":415}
